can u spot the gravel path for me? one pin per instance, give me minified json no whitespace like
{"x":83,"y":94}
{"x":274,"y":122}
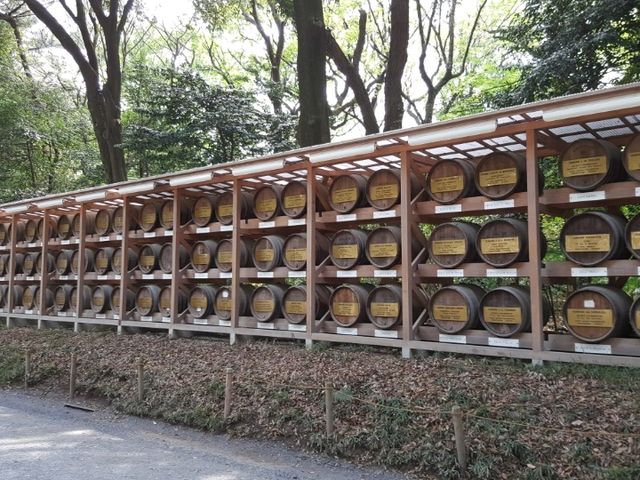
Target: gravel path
{"x":41,"y":439}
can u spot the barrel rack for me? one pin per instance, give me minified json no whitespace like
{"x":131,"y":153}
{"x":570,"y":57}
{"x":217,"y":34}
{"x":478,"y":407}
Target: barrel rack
{"x":538,"y":130}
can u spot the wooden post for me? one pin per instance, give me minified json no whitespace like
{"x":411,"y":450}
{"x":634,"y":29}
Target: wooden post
{"x":458,"y":428}
{"x":228,"y":385}
{"x":124,"y":268}
{"x":311,"y":256}
{"x":44,"y":276}
{"x":176,"y":243}
{"x":140,"y":365}
{"x":406,"y":271}
{"x":11,"y":300}
{"x":82,"y":266}
{"x":27,"y":367}
{"x":72,"y":376}
{"x":328,"y":401}
{"x":235,"y":260}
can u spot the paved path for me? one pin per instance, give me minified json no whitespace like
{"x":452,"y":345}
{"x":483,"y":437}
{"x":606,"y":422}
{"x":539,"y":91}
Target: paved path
{"x":40,"y":439}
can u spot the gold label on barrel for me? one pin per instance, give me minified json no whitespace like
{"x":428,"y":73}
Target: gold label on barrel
{"x":267,"y":205}
{"x":203,"y":212}
{"x":383,"y":250}
{"x":167,"y":215}
{"x":98,"y":301}
{"x":31,"y":230}
{"x":63,"y":228}
{"x":199,"y":301}
{"x":224,"y":257}
{"x":116,"y":261}
{"x":295,"y":307}
{"x":584,"y":166}
{"x":102,"y":262}
{"x":225,"y":210}
{"x":201,"y":259}
{"x":596,"y":242}
{"x":27,"y":297}
{"x":344,"y":195}
{"x":3,"y":235}
{"x":503,"y":176}
{"x":263,"y":306}
{"x":147,"y":260}
{"x":117,"y":222}
{"x":28,"y":263}
{"x":590,"y":317}
{"x":448,"y":247}
{"x":61,"y":263}
{"x":149,"y":218}
{"x":60,"y":297}
{"x":102,"y":222}
{"x":346,"y":309}
{"x":223,"y":304}
{"x":384,"y":192}
{"x":633,"y":161}
{"x":450,"y":313}
{"x":635,"y":240}
{"x":296,"y":254}
{"x":344,"y":251}
{"x":295,"y":201}
{"x":385,"y":309}
{"x":447,"y":184}
{"x":145,"y":302}
{"x":264,"y":255}
{"x":504,"y":315}
{"x":498,"y":245}
{"x":165,"y":302}
{"x":637,"y":319}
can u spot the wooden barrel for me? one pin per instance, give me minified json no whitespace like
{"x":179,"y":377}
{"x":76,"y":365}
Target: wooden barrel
{"x":31,"y":230}
{"x":165,"y":301}
{"x":149,"y":258}
{"x":295,"y":250}
{"x":63,"y":262}
{"x":103,"y":260}
{"x":149,"y":216}
{"x":148,"y":300}
{"x":347,"y":304}
{"x":384,"y":305}
{"x":224,"y":301}
{"x":266,"y":302}
{"x":597,"y":312}
{"x":455,"y":308}
{"x":266,"y":202}
{"x":116,"y":260}
{"x":632,"y":236}
{"x":18,"y":290}
{"x":348,"y":248}
{"x":203,"y":254}
{"x":504,"y":241}
{"x":631,"y":157}
{"x":294,"y":303}
{"x":4,"y":265}
{"x":3,"y":295}
{"x":62,"y":298}
{"x":40,"y":228}
{"x":593,"y":237}
{"x":85,"y":299}
{"x":293,"y":199}
{"x":450,"y":180}
{"x":500,"y":174}
{"x":201,"y":300}
{"x":383,"y":188}
{"x":89,"y":221}
{"x":48,"y":300}
{"x":588,"y":163}
{"x":20,"y":226}
{"x":118,"y":219}
{"x":49,"y":263}
{"x":202,"y":212}
{"x":29,"y":263}
{"x":63,"y":227}
{"x":103,"y":221}
{"x":267,"y":252}
{"x":453,"y":243}
{"x":634,"y":316}
{"x":101,"y":298}
{"x":224,"y":254}
{"x":166,"y":257}
{"x":383,"y":246}
{"x":28,"y":297}
{"x":87,"y":264}
{"x":506,"y":310}
{"x":347,"y":192}
{"x":129,"y":298}
{"x":224,"y":207}
{"x":166,"y":213}
{"x":19,"y":262}
{"x":4,"y":234}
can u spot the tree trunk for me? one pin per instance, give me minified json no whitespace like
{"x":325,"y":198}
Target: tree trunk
{"x":398,"y":44}
{"x":313,"y":124}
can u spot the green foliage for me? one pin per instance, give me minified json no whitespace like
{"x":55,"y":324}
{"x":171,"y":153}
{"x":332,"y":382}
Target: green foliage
{"x":11,"y":365}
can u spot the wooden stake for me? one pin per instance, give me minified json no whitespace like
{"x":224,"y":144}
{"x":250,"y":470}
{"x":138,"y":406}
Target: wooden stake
{"x":227,"y":393}
{"x":72,"y":376}
{"x":140,"y":380}
{"x":458,"y":428}
{"x":328,"y":401}
{"x":27,"y":367}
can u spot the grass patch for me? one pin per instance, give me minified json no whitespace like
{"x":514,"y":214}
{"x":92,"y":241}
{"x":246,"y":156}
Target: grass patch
{"x":11,"y":365}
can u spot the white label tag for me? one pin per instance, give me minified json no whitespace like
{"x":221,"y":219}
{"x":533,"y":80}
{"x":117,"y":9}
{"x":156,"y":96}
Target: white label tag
{"x":226,"y":228}
{"x":165,"y":319}
{"x":102,"y":277}
{"x":117,"y":277}
{"x":266,"y":326}
{"x":147,"y":276}
{"x":456,"y":207}
{"x":589,"y":272}
{"x":587,"y":196}
{"x":499,"y":204}
{"x":452,"y":338}
{"x":502,"y":272}
{"x":385,"y":333}
{"x":637,"y":191}
{"x":203,"y":229}
{"x":116,"y":317}
{"x":445,"y":273}
{"x":64,"y":277}
{"x":297,"y":328}
{"x":119,"y":237}
{"x":265,"y":274}
{"x":225,"y":274}
{"x":347,"y":274}
{"x":28,"y":312}
{"x":266,"y":224}
{"x":30,"y":278}
{"x":589,"y":304}
{"x":167,"y":276}
{"x":296,"y":221}
{"x":201,"y":275}
{"x":504,"y":342}
{"x":104,"y":239}
{"x":384,"y":214}
{"x":65,"y":242}
{"x":168,"y":233}
{"x":146,"y":319}
{"x":149,"y":234}
{"x":385,"y":273}
{"x":2,"y":279}
{"x":200,"y":321}
{"x":592,"y":348}
{"x":62,"y":314}
{"x":31,"y":244}
{"x":224,"y":323}
{"x":301,"y":274}
{"x":346,"y":331}
{"x":100,"y":315}
{"x":347,"y":218}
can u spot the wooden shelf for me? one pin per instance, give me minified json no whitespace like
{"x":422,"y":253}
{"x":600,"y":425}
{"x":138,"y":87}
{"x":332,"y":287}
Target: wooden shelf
{"x":611,"y":268}
{"x":215,"y":227}
{"x":610,"y":194}
{"x":107,"y":277}
{"x":155,"y":275}
{"x":256,"y":227}
{"x":364,"y":329}
{"x":158,"y":233}
{"x":475,"y":337}
{"x":613,"y":346}
{"x":330,"y":272}
{"x":112,"y":238}
{"x":429,"y":271}
{"x":211,"y":274}
{"x":359,"y":216}
{"x":25,"y":246}
{"x":278,"y":272}
{"x":433,"y":212}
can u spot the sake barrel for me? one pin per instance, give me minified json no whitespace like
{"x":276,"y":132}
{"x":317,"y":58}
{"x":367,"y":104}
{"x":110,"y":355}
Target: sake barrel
{"x":149,"y":259}
{"x":455,"y":308}
{"x":506,"y":310}
{"x":166,"y":257}
{"x":632,"y":236}
{"x":4,"y":264}
{"x":267,"y":252}
{"x":116,"y":260}
{"x":224,"y":302}
{"x":87,"y":263}
{"x":201,"y":300}
{"x":101,"y":298}
{"x":294,"y":303}
{"x":348,"y":248}
{"x":588,"y":163}
{"x":3,"y":295}
{"x":148,"y":300}
{"x":504,"y":241}
{"x":347,"y":304}
{"x":597,"y":312}
{"x":453,"y":243}
{"x":224,"y":207}
{"x":103,"y":260}
{"x":266,"y":302}
{"x":383,"y":188}
{"x":634,"y":316}
{"x":28,"y":297}
{"x":383,"y":246}
{"x":347,"y":192}
{"x":450,"y":180}
{"x":19,"y":263}
{"x":20,"y":226}
{"x":103,"y":221}
{"x":48,"y":300}
{"x":165,"y":301}
{"x":115,"y":299}
{"x":500,"y":174}
{"x":149,"y":216}
{"x":63,"y":227}
{"x":118,"y":219}
{"x":85,"y":299}
{"x":203,"y":254}
{"x":166,"y":213}
{"x":31,"y":230}
{"x":63,"y":262}
{"x":384,"y":305}
{"x":293,"y":199}
{"x":266,"y":202}
{"x":89,"y":224}
{"x":49,"y":263}
{"x":4,"y":234}
{"x":18,"y":290}
{"x":29,"y":263}
{"x":62,"y":298}
{"x":40,"y":229}
{"x":593,"y":237}
{"x":224,"y":254}
{"x":631,"y":157}
{"x":295,"y":250}
{"x":202,"y":212}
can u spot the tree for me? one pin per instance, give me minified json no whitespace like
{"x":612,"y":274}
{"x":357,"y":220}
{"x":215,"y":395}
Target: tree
{"x":99,"y":30}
